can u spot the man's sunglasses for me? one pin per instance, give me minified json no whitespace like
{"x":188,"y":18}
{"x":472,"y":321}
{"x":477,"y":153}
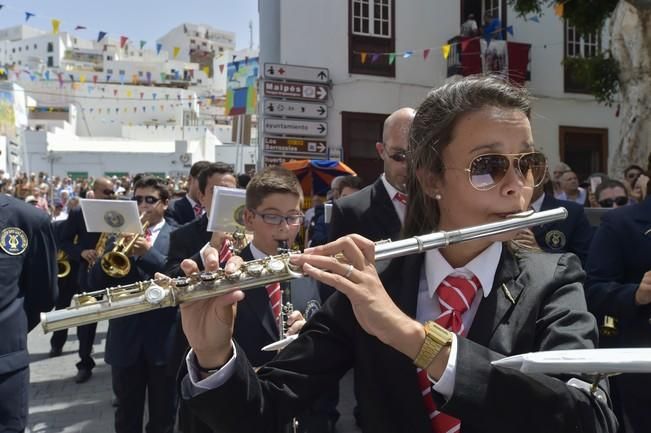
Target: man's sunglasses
{"x":609,"y":202}
{"x":108,"y":192}
{"x":399,"y":156}
{"x":149,"y":199}
{"x":486,"y":171}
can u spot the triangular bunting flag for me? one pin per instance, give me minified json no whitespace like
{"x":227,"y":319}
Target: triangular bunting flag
{"x":100,"y":36}
{"x":363,"y":57}
{"x":55,"y":26}
{"x":535,"y":19}
{"x":445,"y":49}
{"x":559,"y":9}
{"x":123,"y":41}
{"x":392,"y":58}
{"x":375,"y":57}
{"x":80,"y":28}
{"x":206,"y":70}
{"x":158,"y":48}
{"x":94,"y":79}
{"x":142,"y":44}
{"x":425,"y":53}
{"x":407,"y":54}
{"x":221,"y":68}
{"x":509,"y":29}
{"x":176,"y":52}
{"x":28,"y":15}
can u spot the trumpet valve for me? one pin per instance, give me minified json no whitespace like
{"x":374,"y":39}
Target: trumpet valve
{"x":609,"y":326}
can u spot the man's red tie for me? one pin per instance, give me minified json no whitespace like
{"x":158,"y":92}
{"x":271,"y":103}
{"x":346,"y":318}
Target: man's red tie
{"x":198,"y":210}
{"x":402,"y":198}
{"x":273,"y":290}
{"x":455,"y":295}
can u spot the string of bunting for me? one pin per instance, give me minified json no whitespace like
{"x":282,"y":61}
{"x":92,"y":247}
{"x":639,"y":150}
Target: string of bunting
{"x":56,"y":27}
{"x":494,"y":28}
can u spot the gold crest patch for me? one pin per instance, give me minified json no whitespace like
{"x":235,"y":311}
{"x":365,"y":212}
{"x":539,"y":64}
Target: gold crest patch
{"x":13,"y":241}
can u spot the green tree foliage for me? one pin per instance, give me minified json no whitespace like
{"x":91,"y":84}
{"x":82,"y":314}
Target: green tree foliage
{"x":601,"y":72}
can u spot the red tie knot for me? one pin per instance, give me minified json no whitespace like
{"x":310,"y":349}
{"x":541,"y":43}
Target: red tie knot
{"x":455,"y":295}
{"x":402,"y":198}
{"x":198,"y":210}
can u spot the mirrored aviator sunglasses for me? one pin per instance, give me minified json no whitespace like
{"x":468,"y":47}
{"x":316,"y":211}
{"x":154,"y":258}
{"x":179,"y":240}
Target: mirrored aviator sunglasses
{"x":486,"y":171}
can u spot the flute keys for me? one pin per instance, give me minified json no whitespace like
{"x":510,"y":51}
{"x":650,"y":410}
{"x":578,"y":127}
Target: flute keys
{"x":154,"y":294}
{"x":181,"y":281}
{"x":208,"y":276}
{"x":276,"y":266}
{"x":255,"y":269}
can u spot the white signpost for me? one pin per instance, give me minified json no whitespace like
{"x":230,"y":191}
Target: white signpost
{"x":277,"y":71}
{"x":300,"y":128}
{"x":305,"y":110}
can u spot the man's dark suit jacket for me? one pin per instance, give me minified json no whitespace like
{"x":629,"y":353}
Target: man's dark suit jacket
{"x":186,"y":243}
{"x":180,"y":211}
{"x":370,"y":213}
{"x":548,"y":313}
{"x":571,"y":235}
{"x":28,"y":279}
{"x":147,"y":334}
{"x":75,"y":227}
{"x":619,"y":257}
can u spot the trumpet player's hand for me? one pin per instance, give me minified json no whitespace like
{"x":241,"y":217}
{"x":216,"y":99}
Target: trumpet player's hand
{"x":526,"y":238}
{"x":89,"y":255}
{"x":208,"y":323}
{"x":359,"y":281}
{"x":140,"y":247}
{"x":295,"y":322}
{"x":643,"y":293}
{"x":218,"y":238}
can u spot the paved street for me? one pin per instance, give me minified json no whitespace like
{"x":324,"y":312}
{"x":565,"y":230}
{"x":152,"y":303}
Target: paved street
{"x":59,"y":405}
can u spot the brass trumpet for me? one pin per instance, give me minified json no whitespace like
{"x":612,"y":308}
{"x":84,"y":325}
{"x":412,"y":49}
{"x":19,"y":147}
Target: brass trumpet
{"x":63,"y":264}
{"x":116,"y":263}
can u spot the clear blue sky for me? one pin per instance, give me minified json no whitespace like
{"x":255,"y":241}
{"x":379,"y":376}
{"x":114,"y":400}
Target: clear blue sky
{"x":136,"y":19}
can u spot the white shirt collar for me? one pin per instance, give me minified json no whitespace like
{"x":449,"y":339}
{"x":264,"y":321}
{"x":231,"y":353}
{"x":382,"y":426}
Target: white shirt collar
{"x":391,"y":190}
{"x":256,"y":253}
{"x":536,"y":205}
{"x":483,"y":267}
{"x":157,"y":227}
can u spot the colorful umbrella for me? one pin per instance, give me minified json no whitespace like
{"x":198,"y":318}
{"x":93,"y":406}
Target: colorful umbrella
{"x":315,"y":175}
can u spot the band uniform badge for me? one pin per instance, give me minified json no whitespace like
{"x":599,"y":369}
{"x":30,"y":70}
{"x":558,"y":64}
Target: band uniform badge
{"x":555,"y":239}
{"x":114,"y":219}
{"x":13,"y":241}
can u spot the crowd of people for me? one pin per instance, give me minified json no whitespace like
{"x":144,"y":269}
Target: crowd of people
{"x":420,"y":331}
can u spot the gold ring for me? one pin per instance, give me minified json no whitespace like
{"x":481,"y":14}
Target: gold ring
{"x":349,"y":271}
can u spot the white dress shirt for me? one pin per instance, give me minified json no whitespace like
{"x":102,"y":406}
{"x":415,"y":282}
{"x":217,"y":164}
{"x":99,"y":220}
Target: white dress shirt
{"x":400,"y":207}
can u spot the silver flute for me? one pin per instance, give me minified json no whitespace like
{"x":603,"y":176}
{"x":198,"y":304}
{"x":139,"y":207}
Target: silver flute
{"x":143,"y":296}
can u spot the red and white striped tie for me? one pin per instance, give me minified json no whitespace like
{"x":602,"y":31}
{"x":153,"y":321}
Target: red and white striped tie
{"x":225,"y":252}
{"x":273,"y":290}
{"x":455,"y":296}
{"x":198,"y":210}
{"x":402,"y":198}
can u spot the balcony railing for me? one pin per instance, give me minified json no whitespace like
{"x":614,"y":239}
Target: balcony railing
{"x":474,"y":55}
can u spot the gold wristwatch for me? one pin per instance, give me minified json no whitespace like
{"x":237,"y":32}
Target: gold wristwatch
{"x":436,"y":338}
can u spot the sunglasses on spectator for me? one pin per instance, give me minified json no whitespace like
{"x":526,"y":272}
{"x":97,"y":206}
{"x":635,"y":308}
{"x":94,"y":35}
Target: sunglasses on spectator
{"x":609,"y":202}
{"x":273,"y":219}
{"x":399,"y":156}
{"x":149,"y":199}
{"x":486,"y":171}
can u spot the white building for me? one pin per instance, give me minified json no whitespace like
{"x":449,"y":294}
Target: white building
{"x":567,"y":125}
{"x":111,"y":105}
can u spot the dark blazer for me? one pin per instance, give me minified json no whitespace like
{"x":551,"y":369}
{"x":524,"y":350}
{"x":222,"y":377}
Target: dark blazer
{"x":186,"y":243}
{"x":180,"y":211}
{"x":28,"y":279}
{"x":368,"y":212}
{"x":74,"y":228}
{"x":619,"y":257}
{"x":571,"y":235}
{"x":548,"y":313}
{"x":147,"y":334}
